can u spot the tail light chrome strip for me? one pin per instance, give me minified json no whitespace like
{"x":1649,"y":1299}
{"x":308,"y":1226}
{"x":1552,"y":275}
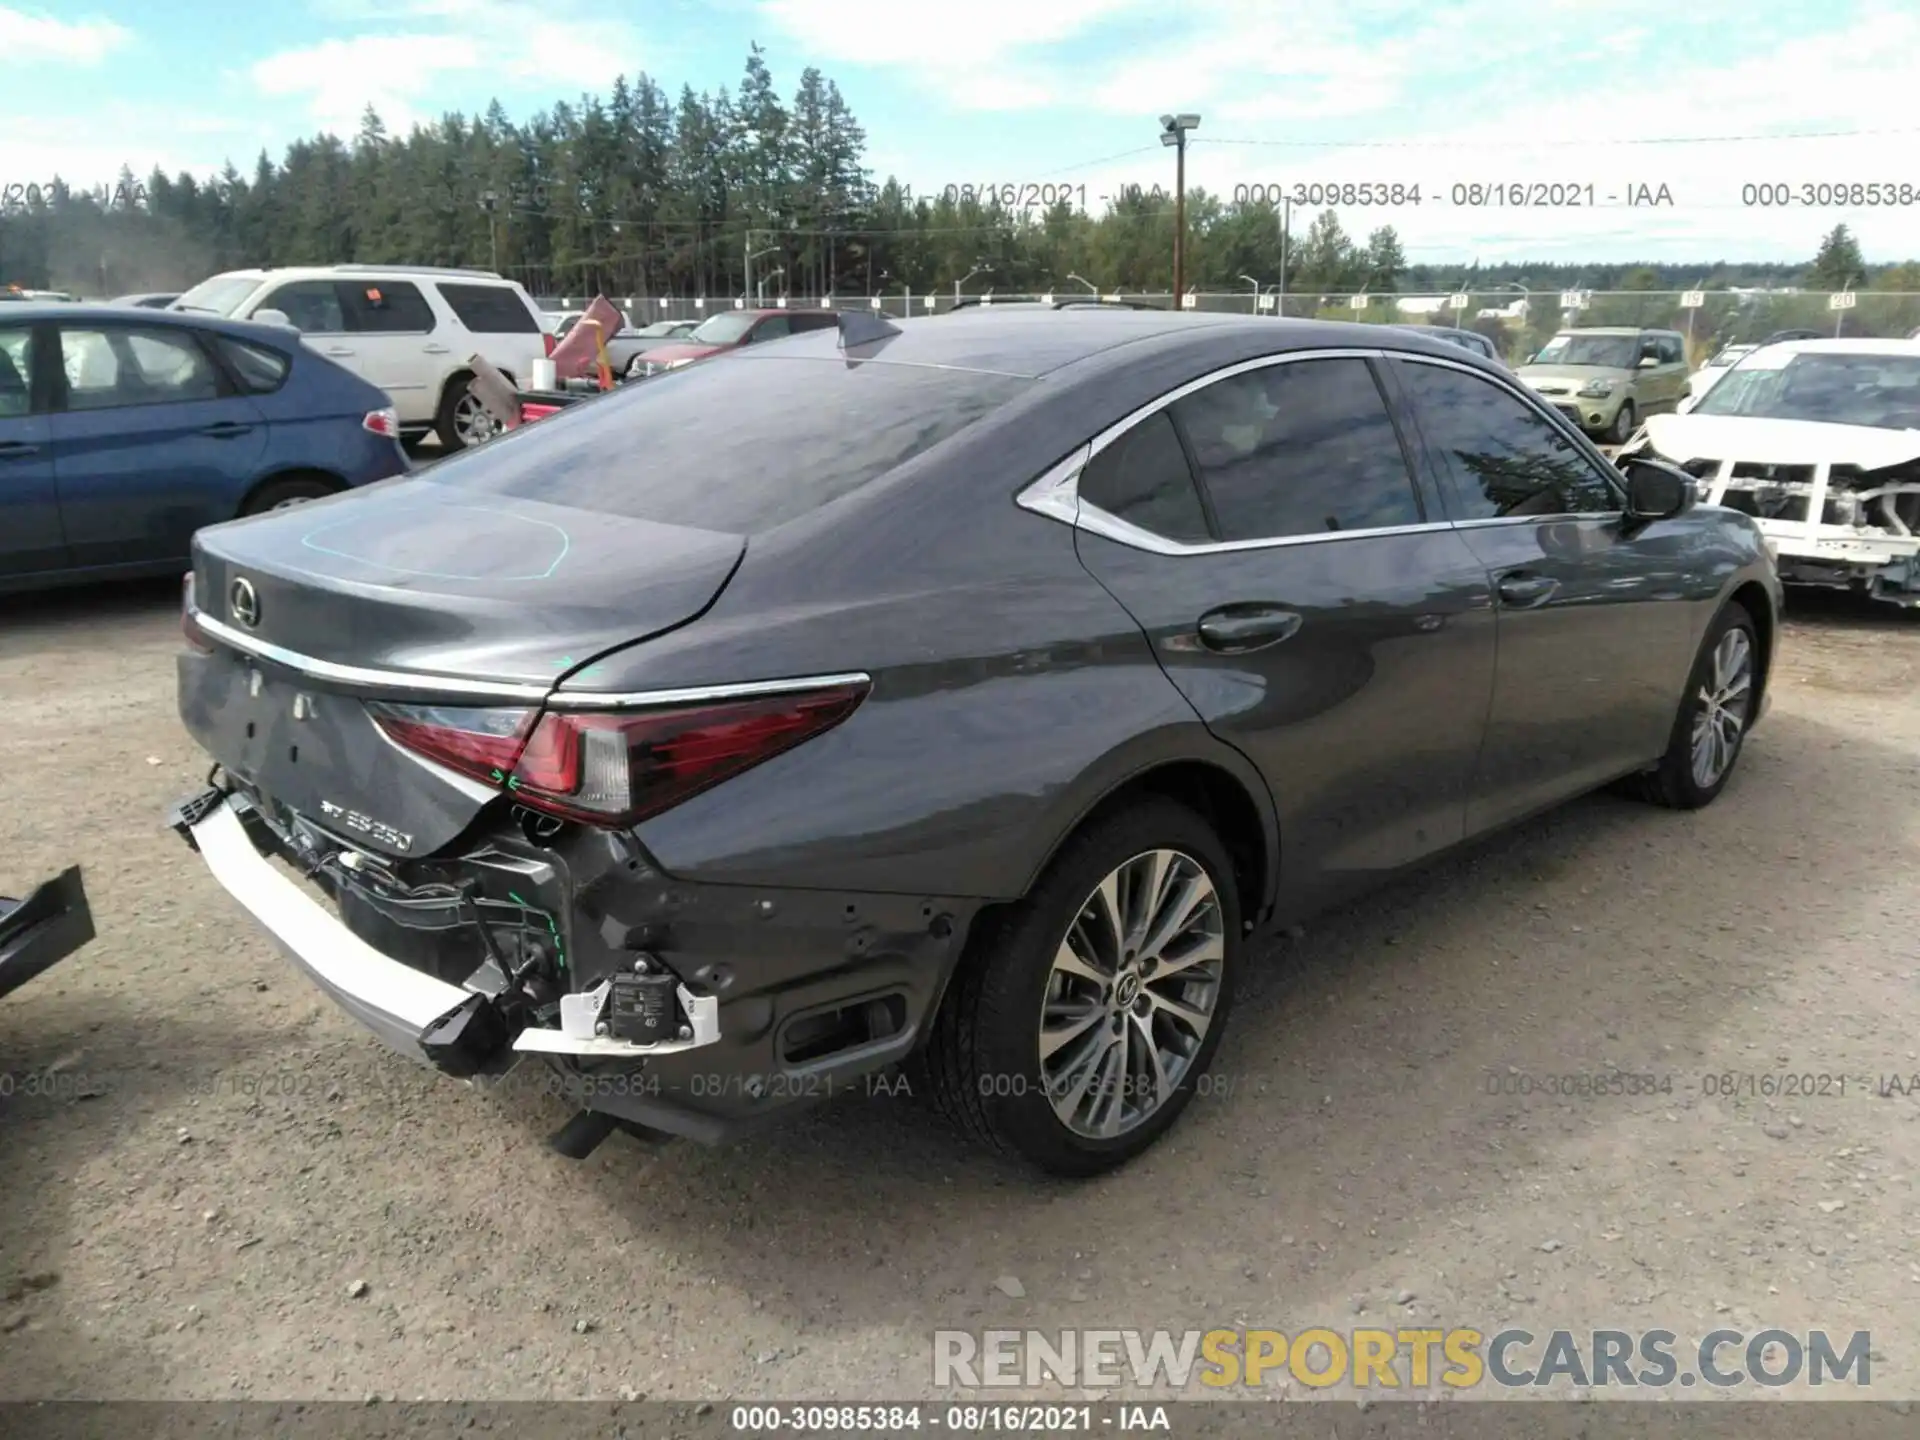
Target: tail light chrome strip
{"x":699,"y":694}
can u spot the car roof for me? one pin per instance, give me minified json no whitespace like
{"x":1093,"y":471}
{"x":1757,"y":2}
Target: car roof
{"x":1032,"y":343}
{"x":1613,"y":330}
{"x":1849,"y":346}
{"x":34,"y":310}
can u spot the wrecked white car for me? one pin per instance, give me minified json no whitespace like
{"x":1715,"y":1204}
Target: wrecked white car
{"x":1818,"y":440}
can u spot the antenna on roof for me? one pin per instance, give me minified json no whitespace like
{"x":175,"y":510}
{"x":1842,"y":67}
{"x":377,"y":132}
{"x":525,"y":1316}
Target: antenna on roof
{"x":858,"y":329}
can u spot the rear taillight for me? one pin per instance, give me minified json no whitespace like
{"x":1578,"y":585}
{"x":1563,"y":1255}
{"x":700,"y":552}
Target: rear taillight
{"x":531,"y":412}
{"x":616,"y":768}
{"x":550,"y":343}
{"x":383,"y":422}
{"x":189,"y":627}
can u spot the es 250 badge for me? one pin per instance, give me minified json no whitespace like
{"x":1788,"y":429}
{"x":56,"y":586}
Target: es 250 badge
{"x":366,"y":825}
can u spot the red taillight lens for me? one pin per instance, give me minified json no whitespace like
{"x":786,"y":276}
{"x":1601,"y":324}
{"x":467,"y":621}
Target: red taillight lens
{"x":196,"y":637}
{"x":551,"y":342}
{"x":482,"y":743}
{"x":382,"y":422}
{"x":530,"y":413}
{"x":617,"y":768}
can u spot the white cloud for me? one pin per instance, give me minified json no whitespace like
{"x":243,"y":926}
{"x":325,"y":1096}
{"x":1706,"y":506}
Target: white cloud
{"x":27,"y":35}
{"x":483,"y":45}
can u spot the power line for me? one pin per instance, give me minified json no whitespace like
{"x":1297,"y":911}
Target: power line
{"x":1506,"y":144}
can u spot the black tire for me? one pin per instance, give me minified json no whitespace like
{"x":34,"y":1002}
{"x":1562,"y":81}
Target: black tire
{"x":447,"y":423}
{"x":1674,"y":782}
{"x":982,"y":1060}
{"x":1624,"y":420}
{"x":290,"y":490}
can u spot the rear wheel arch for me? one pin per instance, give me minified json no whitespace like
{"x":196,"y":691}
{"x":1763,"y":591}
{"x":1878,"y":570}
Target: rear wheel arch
{"x":301,"y":478}
{"x":1231,"y":798}
{"x":1753,"y":598}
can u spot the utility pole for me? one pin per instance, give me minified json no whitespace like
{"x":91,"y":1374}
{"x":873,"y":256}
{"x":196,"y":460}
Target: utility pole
{"x":1286,"y":230}
{"x":1173,"y":131}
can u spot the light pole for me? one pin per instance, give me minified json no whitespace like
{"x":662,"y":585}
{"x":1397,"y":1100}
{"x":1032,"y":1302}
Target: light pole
{"x":489,"y":201}
{"x":1092,"y":289}
{"x":1256,"y":292}
{"x":1173,"y":131}
{"x":752,"y":256}
{"x":976,"y":270}
{"x":760,"y":295}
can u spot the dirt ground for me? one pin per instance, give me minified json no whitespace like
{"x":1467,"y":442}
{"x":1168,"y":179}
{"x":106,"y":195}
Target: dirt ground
{"x":234,"y":1192}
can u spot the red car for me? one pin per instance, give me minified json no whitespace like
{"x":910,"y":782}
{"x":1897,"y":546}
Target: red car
{"x":731,"y":329}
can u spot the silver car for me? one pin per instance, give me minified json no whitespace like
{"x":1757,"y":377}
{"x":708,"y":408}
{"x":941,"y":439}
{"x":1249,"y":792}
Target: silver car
{"x":629,"y":343}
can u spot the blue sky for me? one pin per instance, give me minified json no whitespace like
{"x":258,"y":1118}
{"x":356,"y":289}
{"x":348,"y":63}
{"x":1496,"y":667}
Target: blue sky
{"x":994,"y":91}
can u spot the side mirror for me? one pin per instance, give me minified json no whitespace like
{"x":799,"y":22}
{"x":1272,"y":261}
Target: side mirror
{"x":1686,"y":388}
{"x":1648,"y":362}
{"x":274,"y":317}
{"x":1655,"y":489}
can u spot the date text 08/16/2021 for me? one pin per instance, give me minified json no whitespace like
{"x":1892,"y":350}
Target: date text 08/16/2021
{"x":1467,"y":194}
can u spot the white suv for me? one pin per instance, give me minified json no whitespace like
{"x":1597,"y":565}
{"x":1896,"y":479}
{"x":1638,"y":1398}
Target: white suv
{"x":410,"y":329}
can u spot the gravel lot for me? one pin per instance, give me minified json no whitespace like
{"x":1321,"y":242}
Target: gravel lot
{"x":254,"y":1200}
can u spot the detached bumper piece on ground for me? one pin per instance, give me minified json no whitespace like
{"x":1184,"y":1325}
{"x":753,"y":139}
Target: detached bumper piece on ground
{"x":40,"y":931}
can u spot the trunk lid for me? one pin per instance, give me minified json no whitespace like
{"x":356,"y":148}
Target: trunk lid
{"x":421,"y":577}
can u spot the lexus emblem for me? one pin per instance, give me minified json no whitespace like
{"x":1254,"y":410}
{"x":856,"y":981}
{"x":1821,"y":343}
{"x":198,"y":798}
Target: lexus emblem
{"x":243,"y":602}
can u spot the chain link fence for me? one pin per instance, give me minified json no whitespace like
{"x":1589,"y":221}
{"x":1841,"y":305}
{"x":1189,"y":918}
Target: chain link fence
{"x":1517,"y":322}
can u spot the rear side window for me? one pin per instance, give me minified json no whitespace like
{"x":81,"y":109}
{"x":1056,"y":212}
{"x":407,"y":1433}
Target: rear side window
{"x":798,"y":434}
{"x":259,"y":369}
{"x":490,"y":309}
{"x":1143,"y":479}
{"x":1304,"y":448}
{"x":393,"y":306}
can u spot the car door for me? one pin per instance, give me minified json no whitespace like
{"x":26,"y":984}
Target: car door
{"x":1593,"y":619}
{"x":31,"y":540}
{"x":400,"y":345}
{"x":316,"y":310}
{"x":151,"y":442}
{"x":1673,"y":371}
{"x":1302,"y":591}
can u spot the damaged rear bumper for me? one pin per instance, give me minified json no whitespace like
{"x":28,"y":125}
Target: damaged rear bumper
{"x":760,"y":1015}
{"x":40,"y":931}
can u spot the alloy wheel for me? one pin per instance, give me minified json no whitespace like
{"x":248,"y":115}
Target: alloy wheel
{"x":472,"y":422}
{"x":1132,"y":992}
{"x":1721,"y":717}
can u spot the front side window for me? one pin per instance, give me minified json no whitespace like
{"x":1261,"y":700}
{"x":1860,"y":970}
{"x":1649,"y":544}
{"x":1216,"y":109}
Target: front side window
{"x":1303,"y":448}
{"x":1143,"y":479}
{"x":109,"y":368}
{"x":1501,"y":457}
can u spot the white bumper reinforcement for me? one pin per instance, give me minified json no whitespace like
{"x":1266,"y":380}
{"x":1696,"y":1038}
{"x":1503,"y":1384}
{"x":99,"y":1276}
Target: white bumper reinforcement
{"x":393,"y":1000}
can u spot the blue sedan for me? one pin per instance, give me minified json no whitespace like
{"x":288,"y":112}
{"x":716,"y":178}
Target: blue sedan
{"x":124,"y":430}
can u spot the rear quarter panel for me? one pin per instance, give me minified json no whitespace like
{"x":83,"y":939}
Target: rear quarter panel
{"x":316,"y":425}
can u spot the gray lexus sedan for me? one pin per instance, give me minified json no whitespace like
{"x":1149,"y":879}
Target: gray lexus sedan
{"x":963,"y":702}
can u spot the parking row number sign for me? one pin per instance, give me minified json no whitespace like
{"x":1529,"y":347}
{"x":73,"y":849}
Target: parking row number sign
{"x":1360,"y":302}
{"x":1573,"y":299}
{"x":1693,"y":299}
{"x":1842,"y":301}
{"x":1459,"y":302}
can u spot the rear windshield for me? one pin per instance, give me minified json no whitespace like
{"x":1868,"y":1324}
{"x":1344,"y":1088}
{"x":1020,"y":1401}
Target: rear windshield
{"x":733,"y":444}
{"x":490,"y":309}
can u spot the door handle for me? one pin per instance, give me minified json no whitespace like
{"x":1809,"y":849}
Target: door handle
{"x":1522,"y":591}
{"x":225,"y":429}
{"x":338,"y":350}
{"x":435,"y":349}
{"x":17,"y":450}
{"x":1237,"y":629}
